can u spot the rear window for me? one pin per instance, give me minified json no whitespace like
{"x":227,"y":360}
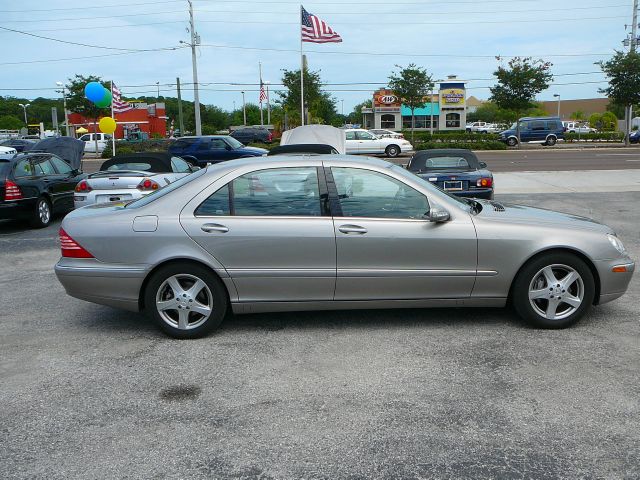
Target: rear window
{"x":447,"y":162}
{"x":130,"y":166}
{"x":553,"y":125}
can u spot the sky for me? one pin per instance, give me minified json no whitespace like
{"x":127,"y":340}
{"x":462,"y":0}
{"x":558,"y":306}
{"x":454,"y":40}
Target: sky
{"x":459,"y":37}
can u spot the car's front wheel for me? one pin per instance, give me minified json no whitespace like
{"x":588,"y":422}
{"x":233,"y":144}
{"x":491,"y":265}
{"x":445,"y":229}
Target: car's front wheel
{"x":392,"y":151}
{"x":186,"y":300}
{"x":554,"y":290}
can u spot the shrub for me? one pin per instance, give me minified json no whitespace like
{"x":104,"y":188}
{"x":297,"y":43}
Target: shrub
{"x":595,"y":137}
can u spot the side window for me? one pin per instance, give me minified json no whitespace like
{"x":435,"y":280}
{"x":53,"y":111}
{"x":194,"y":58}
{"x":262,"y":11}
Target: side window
{"x":537,"y":126}
{"x":364,"y":193}
{"x":277,"y":192}
{"x":218,"y":144}
{"x":350,"y":135}
{"x":552,"y":126}
{"x":204,"y":145}
{"x":179,"y":165}
{"x":84,"y":138}
{"x":62,"y":166}
{"x":24,"y":169}
{"x":216,"y":204}
{"x":364,"y":136}
{"x":44,"y":167}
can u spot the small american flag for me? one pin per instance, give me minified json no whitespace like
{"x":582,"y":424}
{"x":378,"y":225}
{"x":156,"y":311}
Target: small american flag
{"x":263,"y":94}
{"x":315,"y":30}
{"x":119,"y":105}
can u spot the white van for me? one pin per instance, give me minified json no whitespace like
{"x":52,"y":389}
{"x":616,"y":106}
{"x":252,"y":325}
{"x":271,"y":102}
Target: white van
{"x":90,"y":141}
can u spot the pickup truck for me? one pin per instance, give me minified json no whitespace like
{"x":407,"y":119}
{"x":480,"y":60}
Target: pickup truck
{"x":482,"y":127}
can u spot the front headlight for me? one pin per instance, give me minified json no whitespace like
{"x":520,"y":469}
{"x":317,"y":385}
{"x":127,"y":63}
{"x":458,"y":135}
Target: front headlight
{"x":617,"y":243}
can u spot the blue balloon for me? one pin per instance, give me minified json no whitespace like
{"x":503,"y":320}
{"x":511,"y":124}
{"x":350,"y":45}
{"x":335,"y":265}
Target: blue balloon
{"x":94,"y":91}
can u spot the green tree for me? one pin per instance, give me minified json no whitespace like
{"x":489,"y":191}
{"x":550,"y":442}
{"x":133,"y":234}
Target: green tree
{"x":10,"y":122}
{"x":595,"y":121}
{"x":356,"y":115}
{"x":609,"y":122}
{"x":519,"y":81}
{"x":320,"y":104}
{"x":623,"y":73}
{"x":411,"y":84}
{"x":578,"y":115}
{"x":77,"y":102}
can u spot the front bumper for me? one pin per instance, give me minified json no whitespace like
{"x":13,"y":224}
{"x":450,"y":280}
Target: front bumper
{"x":614,"y":284}
{"x":115,"y":285}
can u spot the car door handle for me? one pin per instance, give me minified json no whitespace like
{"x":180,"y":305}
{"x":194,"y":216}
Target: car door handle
{"x":214,"y":227}
{"x":352,"y":229}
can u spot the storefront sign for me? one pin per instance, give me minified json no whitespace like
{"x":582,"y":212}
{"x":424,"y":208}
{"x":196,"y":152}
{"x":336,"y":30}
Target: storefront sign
{"x":453,"y":97}
{"x":385,"y":98}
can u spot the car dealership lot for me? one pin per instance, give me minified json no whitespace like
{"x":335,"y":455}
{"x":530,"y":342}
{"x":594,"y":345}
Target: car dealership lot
{"x":89,"y":391}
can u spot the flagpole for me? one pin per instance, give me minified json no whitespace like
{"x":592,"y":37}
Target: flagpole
{"x":260,"y":95}
{"x":113,"y":137}
{"x":268,"y":106}
{"x":301,"y":73}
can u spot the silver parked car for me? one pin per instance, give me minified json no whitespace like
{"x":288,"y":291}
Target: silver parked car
{"x":332,"y":232}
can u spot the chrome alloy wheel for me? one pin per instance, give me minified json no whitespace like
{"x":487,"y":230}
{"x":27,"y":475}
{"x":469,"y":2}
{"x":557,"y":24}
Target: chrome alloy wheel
{"x":556,"y":291}
{"x":44,"y":212}
{"x":184,"y":301}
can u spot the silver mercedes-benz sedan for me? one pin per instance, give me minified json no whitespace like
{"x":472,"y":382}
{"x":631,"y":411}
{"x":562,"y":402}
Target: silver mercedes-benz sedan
{"x":332,"y":232}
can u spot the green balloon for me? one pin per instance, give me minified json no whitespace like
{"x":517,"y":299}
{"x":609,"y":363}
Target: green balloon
{"x":104,"y":101}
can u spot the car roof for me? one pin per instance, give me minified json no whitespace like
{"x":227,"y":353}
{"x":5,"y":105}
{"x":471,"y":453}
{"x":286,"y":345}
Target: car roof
{"x":160,"y":161}
{"x":540,"y":118}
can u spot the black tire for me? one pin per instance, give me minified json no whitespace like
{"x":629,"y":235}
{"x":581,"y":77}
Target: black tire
{"x":551,"y":141}
{"x":512,"y":141}
{"x":392,"y":151}
{"x":532,"y":271}
{"x":215,"y":295}
{"x":42,"y":214}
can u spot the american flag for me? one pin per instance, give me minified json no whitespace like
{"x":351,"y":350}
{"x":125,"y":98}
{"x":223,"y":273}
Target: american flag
{"x":315,"y":30}
{"x":263,"y":94}
{"x":119,"y":105}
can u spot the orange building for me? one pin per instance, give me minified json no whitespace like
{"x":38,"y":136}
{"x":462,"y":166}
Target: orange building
{"x":143,"y":117}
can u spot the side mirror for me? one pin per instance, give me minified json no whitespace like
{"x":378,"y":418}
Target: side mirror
{"x":483,"y":164}
{"x":195,"y":168}
{"x":437,"y":215}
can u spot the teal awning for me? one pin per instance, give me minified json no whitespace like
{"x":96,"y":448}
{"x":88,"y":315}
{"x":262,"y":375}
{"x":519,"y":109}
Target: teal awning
{"x":426,"y":110}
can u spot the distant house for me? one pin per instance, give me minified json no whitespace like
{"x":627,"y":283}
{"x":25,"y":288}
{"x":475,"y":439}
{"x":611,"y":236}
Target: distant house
{"x":473,"y":103}
{"x":588,"y":106}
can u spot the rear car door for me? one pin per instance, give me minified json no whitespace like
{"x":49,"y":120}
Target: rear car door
{"x":386,"y":250}
{"x":271,"y":230}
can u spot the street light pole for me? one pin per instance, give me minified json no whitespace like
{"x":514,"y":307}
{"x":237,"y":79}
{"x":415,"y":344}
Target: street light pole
{"x":342,"y":107}
{"x":195,"y":40}
{"x":557,"y":95}
{"x":158,"y":97}
{"x":24,"y":107}
{"x":244,"y":111}
{"x":64,"y":106}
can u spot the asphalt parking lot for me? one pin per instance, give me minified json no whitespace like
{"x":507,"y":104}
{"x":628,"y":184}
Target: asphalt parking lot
{"x":93,"y":392}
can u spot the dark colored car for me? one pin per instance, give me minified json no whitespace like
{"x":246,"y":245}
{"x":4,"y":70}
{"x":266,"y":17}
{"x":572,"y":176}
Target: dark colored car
{"x":456,"y":171}
{"x":20,"y":144}
{"x":303,"y":149}
{"x":35,"y":186}
{"x":247,"y":135}
{"x":544,"y":130}
{"x":212,"y":149}
{"x":634,"y":136}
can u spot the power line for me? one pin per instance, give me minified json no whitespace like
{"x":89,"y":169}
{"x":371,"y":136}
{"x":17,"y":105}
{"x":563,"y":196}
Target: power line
{"x":31,"y":10}
{"x":95,"y":18}
{"x":130,"y":25}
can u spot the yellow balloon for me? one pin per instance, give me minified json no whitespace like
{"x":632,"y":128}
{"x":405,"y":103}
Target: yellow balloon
{"x":107,"y":125}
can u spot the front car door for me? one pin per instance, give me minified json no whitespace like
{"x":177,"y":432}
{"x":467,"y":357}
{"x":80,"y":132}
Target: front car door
{"x":351,"y":143}
{"x":368,"y":143}
{"x":271,"y":230}
{"x":386,"y":250}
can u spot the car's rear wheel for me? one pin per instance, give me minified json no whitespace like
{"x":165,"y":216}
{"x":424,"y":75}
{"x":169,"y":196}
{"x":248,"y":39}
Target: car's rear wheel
{"x":512,"y":141}
{"x":551,"y":141}
{"x":554,"y":290}
{"x":186,"y":300}
{"x":42,"y":215}
{"x":392,"y":151}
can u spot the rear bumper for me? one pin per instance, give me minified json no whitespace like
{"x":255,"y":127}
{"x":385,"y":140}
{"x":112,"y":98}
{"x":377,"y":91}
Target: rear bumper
{"x":614,"y":284}
{"x":114,"y":285}
{"x":485,"y":193}
{"x":105,"y":196}
{"x":18,"y":209}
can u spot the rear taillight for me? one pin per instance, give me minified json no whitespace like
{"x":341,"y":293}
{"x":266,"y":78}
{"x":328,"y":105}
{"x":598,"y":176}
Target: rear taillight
{"x":71,"y":248}
{"x":147,"y":184}
{"x":12,"y":191}
{"x":83,"y":187}
{"x":270,"y":137}
{"x":484,"y":182}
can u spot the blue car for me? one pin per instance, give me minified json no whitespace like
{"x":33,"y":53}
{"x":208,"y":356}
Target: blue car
{"x":212,"y":149}
{"x":456,"y":171}
{"x":544,"y":130}
{"x":634,"y":136}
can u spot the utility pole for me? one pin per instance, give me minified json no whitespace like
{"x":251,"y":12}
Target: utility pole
{"x":180,"y":119}
{"x":195,"y":40}
{"x":64,"y":105}
{"x":634,"y":41}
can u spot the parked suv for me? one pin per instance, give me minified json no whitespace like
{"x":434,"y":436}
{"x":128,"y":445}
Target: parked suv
{"x":252,"y":134}
{"x":89,"y":140}
{"x":481,"y":127}
{"x":544,"y":130}
{"x":212,"y":149}
{"x":578,"y":127}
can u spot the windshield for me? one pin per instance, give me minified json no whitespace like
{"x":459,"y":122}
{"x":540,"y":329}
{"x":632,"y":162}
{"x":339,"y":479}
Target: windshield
{"x":153,"y":196}
{"x":234,"y":143}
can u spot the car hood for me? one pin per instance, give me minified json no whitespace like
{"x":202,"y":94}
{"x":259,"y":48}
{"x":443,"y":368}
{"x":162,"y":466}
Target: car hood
{"x":253,"y":150}
{"x":513,"y":213}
